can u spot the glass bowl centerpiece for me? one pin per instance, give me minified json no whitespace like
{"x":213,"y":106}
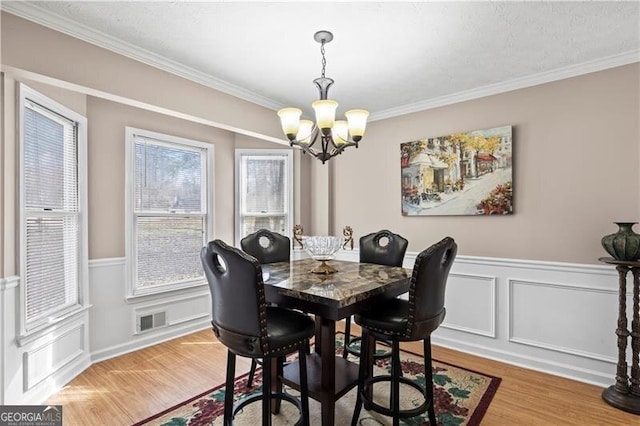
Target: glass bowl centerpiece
{"x":322,"y":249}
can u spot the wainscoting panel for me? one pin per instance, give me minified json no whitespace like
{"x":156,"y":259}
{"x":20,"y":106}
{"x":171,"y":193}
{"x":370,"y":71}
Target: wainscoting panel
{"x":176,"y":310}
{"x":115,"y":322}
{"x":36,"y":365}
{"x":558,"y":318}
{"x":549,"y":304}
{"x":552,"y":317}
{"x":471,"y":303}
{"x":42,"y":361}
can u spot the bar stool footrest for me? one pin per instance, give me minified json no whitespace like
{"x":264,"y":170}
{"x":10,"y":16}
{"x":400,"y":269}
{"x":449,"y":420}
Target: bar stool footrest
{"x":388,"y":411}
{"x":356,"y":352}
{"x":243,"y":402}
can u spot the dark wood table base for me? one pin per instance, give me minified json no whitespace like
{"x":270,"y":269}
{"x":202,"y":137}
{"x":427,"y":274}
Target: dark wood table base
{"x":329,"y":376}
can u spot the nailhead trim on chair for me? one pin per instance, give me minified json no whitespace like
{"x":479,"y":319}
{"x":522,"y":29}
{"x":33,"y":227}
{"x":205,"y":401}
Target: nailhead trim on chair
{"x":412,"y":288}
{"x":412,"y":296}
{"x":262,"y":301}
{"x":264,"y":338}
{"x":422,"y":328}
{"x":296,"y":344}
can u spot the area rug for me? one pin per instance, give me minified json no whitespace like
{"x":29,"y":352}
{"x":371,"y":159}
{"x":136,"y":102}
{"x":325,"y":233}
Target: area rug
{"x":461,"y":398}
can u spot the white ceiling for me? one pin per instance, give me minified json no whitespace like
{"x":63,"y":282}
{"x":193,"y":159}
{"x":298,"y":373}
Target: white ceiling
{"x":388,"y":57}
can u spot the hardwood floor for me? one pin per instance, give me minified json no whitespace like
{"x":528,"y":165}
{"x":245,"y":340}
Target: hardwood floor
{"x":132,"y":387}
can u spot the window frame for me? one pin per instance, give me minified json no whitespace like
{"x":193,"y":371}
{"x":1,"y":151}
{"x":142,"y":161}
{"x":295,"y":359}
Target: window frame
{"x":257,"y":152}
{"x":207,"y":189}
{"x":25,"y":96}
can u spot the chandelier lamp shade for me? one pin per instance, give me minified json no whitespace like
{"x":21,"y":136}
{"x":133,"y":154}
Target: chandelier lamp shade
{"x":327,"y":137}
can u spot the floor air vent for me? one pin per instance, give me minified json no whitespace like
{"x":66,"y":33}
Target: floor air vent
{"x":151,"y":321}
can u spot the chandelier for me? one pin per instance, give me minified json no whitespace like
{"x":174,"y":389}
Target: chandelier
{"x":327,"y":137}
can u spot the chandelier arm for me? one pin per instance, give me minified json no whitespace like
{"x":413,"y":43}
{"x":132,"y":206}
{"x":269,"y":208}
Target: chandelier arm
{"x":307,"y":147}
{"x":336,"y":149}
{"x":315,"y":131}
{"x":339,"y":149}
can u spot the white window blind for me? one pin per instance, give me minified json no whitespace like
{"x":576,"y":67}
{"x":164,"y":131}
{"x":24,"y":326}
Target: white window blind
{"x":51,"y":224}
{"x":170,"y":211}
{"x":264,"y":191}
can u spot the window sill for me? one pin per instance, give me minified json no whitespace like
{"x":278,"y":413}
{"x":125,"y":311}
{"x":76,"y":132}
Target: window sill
{"x":42,"y":329}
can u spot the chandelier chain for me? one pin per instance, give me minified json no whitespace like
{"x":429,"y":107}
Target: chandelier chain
{"x":324,"y":61}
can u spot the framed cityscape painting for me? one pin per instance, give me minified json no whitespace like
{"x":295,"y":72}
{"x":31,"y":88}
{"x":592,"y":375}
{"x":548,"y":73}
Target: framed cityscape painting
{"x":466,"y":173}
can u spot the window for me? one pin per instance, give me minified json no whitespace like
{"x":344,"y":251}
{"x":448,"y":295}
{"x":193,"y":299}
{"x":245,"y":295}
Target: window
{"x":264,"y":187}
{"x":53,"y":229}
{"x":169,"y":205}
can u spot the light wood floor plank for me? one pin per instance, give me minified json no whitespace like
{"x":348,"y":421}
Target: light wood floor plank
{"x":129,"y":388}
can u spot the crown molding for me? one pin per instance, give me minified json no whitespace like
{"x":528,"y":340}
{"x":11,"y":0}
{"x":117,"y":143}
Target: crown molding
{"x":515,"y":84}
{"x":82,"y":32}
{"x":41,"y":16}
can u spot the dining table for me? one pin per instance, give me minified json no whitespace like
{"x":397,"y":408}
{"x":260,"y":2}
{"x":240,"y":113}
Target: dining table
{"x":329,"y":297}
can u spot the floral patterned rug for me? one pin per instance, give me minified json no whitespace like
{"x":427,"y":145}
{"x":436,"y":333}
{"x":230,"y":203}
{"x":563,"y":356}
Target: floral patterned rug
{"x":461,"y":398}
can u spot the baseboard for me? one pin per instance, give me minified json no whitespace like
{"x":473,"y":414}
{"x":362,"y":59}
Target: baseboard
{"x":529,"y":362}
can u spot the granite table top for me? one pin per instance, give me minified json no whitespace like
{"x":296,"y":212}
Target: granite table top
{"x":353,"y":284}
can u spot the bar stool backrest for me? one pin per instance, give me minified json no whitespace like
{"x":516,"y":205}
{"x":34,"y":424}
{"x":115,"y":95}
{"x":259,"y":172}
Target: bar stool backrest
{"x":427,"y":290}
{"x":278,"y":248}
{"x":391,"y":254}
{"x":238,"y":304}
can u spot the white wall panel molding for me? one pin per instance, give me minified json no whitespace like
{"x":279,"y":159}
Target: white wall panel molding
{"x":45,"y":330}
{"x":554,"y":317}
{"x":478,"y":317}
{"x":176,"y":310}
{"x":114,"y":319}
{"x":559,"y":328}
{"x":45,"y":364}
{"x":410,"y":258}
{"x":348,"y":255}
{"x":45,"y":359}
{"x":38,"y":364}
{"x":535,"y":265}
{"x":170,"y":300}
{"x":107,"y":261}
{"x":9,"y":282}
{"x":492,"y":321}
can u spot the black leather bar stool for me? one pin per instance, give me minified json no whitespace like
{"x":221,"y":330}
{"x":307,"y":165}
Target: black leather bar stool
{"x":410,"y":320}
{"x":372,"y":250}
{"x":247,"y":326}
{"x":268,"y":247}
{"x":277,"y":247}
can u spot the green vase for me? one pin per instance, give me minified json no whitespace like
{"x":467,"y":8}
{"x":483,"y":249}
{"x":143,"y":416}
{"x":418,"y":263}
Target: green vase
{"x":624,"y":244}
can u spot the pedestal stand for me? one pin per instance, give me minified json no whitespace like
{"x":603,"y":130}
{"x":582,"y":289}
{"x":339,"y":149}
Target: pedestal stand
{"x":625,"y":394}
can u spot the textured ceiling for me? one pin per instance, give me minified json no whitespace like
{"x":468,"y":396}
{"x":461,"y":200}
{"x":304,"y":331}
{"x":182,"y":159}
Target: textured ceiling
{"x":388,"y":57}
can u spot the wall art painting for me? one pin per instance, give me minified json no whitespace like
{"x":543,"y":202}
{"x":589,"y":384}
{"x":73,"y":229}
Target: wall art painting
{"x":466,"y":173}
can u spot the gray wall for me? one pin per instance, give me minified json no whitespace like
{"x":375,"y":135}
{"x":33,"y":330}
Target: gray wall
{"x":575,"y":145}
